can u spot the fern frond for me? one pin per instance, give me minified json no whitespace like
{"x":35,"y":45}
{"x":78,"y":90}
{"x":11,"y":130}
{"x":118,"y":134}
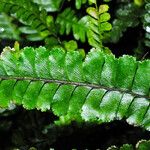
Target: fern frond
{"x":127,"y":16}
{"x":147,"y":24}
{"x":87,"y":26}
{"x":141,"y":145}
{"x":8,"y":30}
{"x":28,"y":13}
{"x":98,"y":25}
{"x":100,"y":88}
{"x":68,"y":21}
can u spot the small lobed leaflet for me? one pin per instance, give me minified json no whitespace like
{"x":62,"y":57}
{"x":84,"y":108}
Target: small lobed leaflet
{"x":100,"y":88}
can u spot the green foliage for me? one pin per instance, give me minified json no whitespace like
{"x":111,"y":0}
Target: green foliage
{"x":147,"y":24}
{"x":39,"y":26}
{"x":93,"y":26}
{"x":141,"y":145}
{"x":99,"y":89}
{"x":29,"y":14}
{"x":68,"y":21}
{"x":139,"y":2}
{"x":7,"y":28}
{"x":42,"y":20}
{"x":49,"y":5}
{"x":71,"y":45}
{"x":98,"y":25}
{"x":127,"y":16}
{"x":31,"y":34}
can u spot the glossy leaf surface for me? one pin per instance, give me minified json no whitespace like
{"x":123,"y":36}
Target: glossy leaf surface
{"x":100,"y":88}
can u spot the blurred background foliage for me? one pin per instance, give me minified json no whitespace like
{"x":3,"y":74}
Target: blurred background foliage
{"x":124,"y":26}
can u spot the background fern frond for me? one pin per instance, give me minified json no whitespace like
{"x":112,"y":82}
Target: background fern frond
{"x":28,"y":13}
{"x":8,"y":30}
{"x":127,"y":16}
{"x":68,"y":21}
{"x":87,"y":26}
{"x":30,"y":34}
{"x":147,"y":24}
{"x":98,"y":25}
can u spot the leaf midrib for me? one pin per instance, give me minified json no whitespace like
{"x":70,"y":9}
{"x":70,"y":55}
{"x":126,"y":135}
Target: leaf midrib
{"x":65,"y":82}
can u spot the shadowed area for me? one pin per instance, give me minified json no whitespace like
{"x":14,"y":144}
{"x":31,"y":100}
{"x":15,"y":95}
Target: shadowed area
{"x":23,"y":129}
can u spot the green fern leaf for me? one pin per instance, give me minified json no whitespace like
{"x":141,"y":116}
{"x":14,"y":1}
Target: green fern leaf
{"x":8,"y":30}
{"x":88,"y":26}
{"x":28,"y":13}
{"x":141,"y":145}
{"x":100,"y":88}
{"x":127,"y":16}
{"x":147,"y":24}
{"x":68,"y":22}
{"x":98,"y":25}
{"x":31,"y":34}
